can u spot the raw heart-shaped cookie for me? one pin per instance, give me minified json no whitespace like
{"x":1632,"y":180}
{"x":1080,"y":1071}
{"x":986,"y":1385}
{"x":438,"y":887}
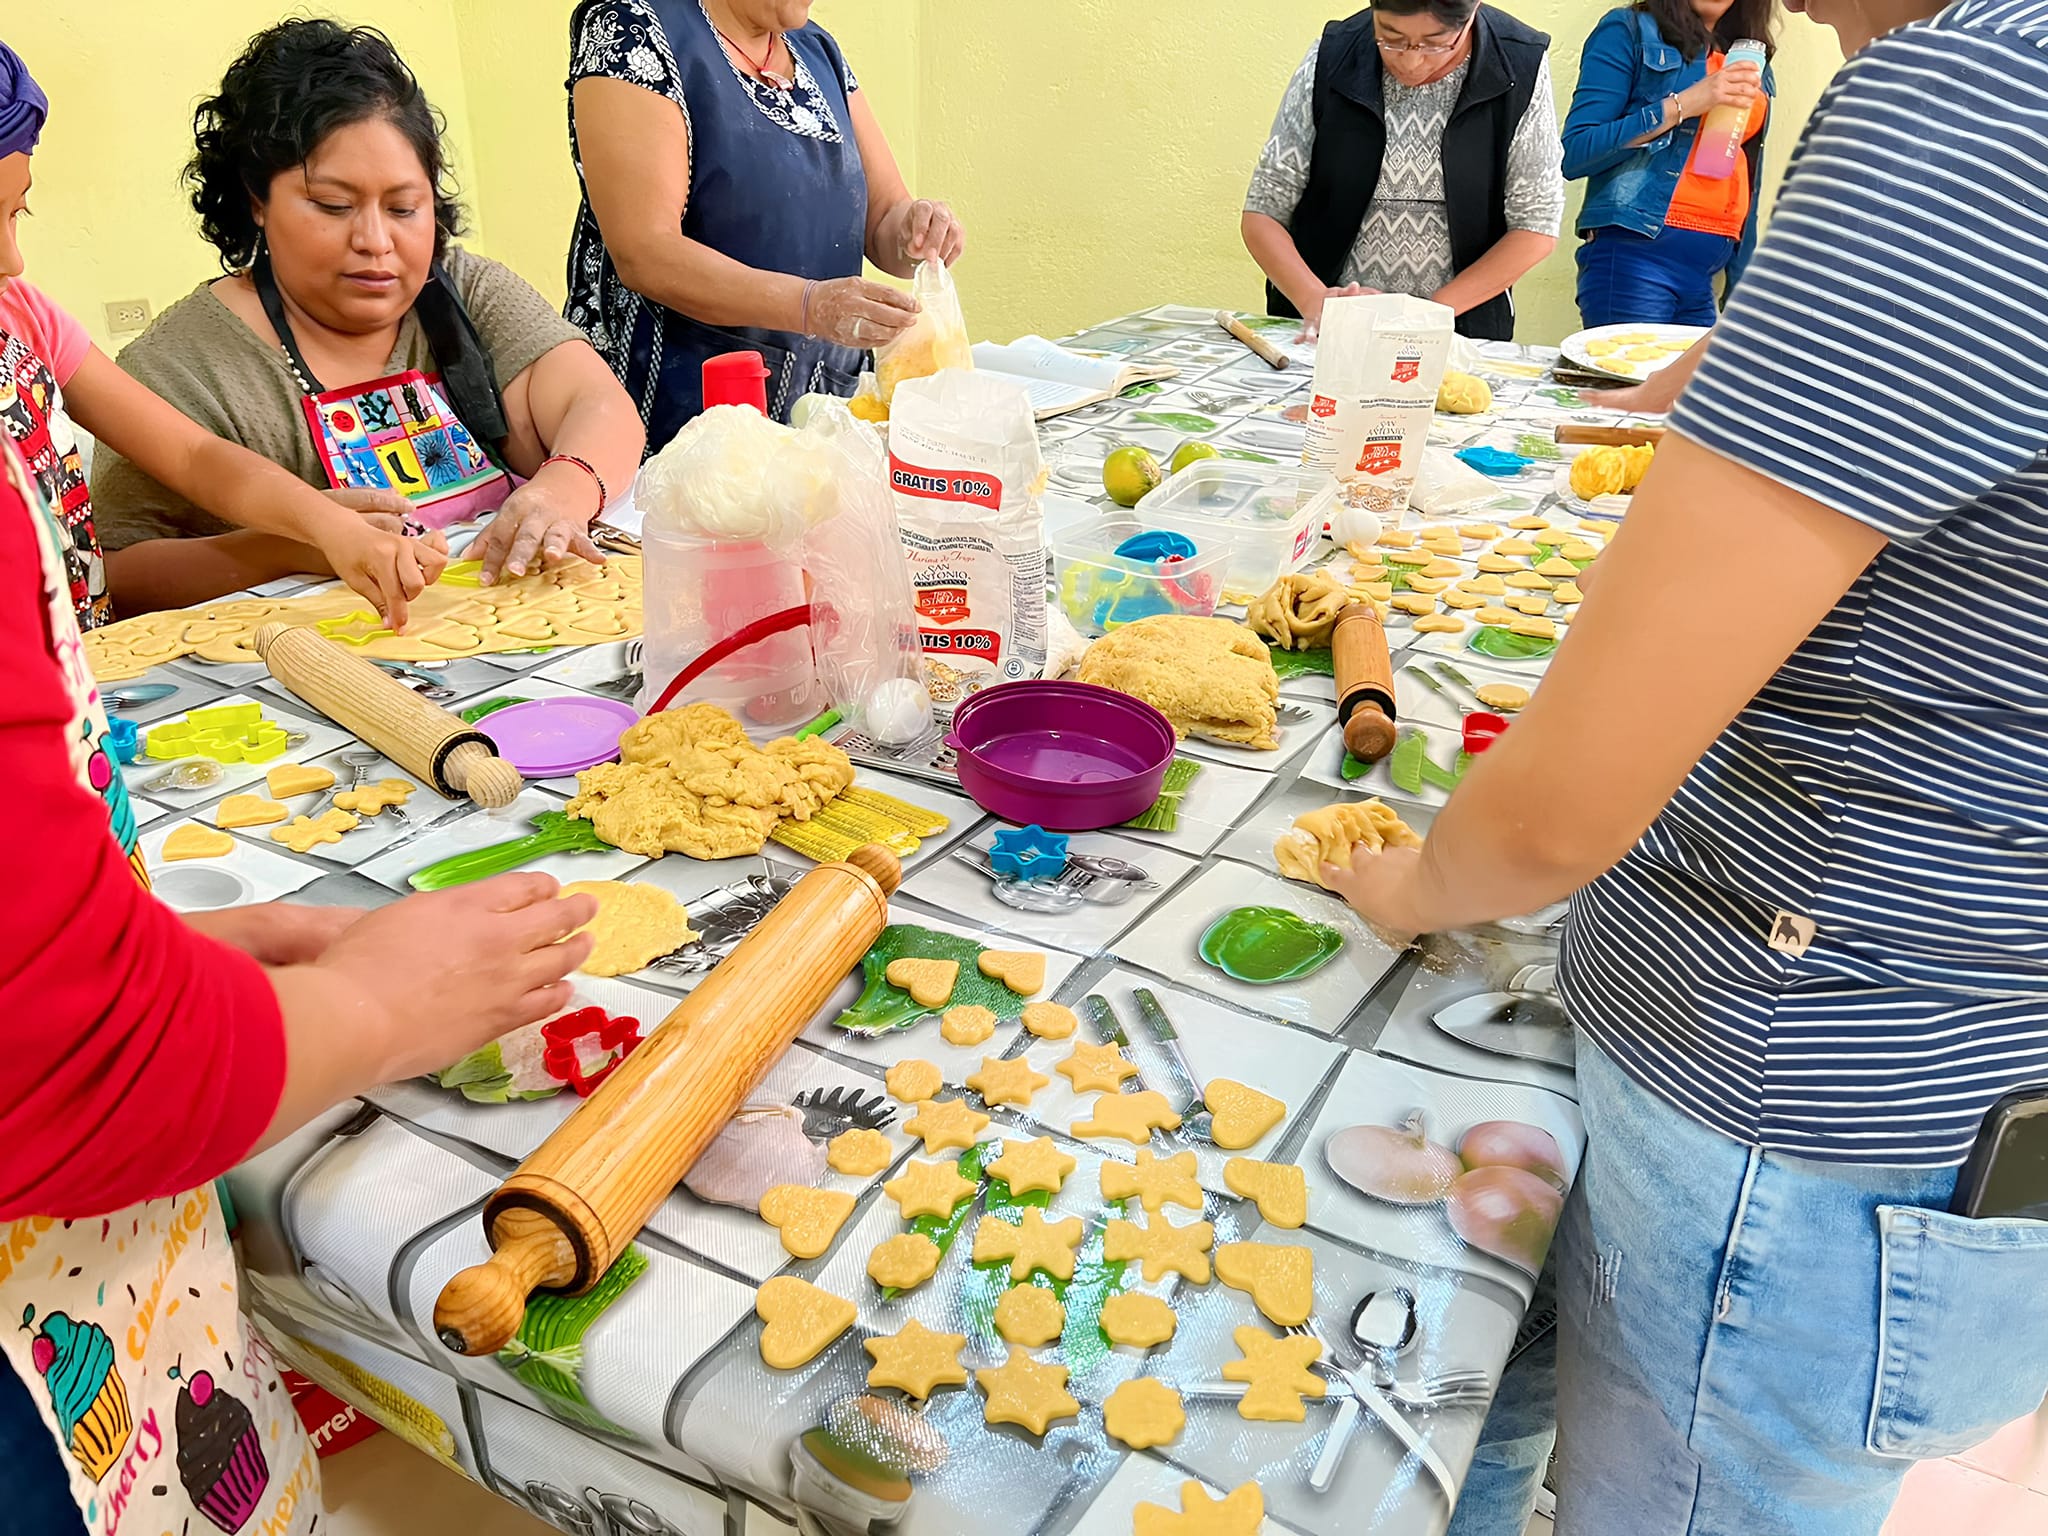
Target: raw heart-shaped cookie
{"x":1022,"y":971}
{"x":1279,"y":1278}
{"x":194,"y":841}
{"x":929,"y":982}
{"x":807,"y":1218}
{"x":1242,"y":1115}
{"x":1281,"y":1189}
{"x":289,"y":779}
{"x":248,"y":811}
{"x":801,"y":1320}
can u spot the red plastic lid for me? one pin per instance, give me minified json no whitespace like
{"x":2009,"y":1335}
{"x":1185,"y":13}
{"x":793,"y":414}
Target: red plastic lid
{"x":1482,"y":730}
{"x":736,"y":378}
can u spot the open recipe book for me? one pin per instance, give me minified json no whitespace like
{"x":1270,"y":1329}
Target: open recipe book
{"x":1058,"y":381}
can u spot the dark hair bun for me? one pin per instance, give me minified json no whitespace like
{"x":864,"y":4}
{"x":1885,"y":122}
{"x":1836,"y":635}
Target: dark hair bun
{"x":295,"y":84}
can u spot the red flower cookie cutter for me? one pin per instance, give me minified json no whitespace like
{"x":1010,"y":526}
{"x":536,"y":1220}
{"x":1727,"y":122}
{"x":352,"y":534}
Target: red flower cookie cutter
{"x":561,"y":1058}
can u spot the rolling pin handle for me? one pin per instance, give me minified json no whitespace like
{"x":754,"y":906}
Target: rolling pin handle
{"x":490,"y":781}
{"x":480,"y":1310}
{"x":1368,"y":734}
{"x":879,"y":865}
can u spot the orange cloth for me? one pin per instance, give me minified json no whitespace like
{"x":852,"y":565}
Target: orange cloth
{"x":1717,"y":207}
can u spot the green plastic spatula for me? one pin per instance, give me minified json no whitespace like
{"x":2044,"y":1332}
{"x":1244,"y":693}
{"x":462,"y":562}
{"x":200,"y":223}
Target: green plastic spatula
{"x":554,"y":832}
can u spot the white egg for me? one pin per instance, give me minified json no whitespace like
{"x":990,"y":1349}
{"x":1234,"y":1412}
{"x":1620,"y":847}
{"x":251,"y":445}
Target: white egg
{"x":898,"y":712}
{"x":1354,"y":525}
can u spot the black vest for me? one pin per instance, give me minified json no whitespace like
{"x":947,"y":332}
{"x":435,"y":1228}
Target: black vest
{"x":1351,"y":142}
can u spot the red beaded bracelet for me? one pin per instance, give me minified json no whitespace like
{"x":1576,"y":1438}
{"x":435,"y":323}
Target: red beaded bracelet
{"x":603,"y":496}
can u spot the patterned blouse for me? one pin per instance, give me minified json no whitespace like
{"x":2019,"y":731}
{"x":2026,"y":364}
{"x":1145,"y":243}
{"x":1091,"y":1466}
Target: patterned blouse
{"x":1404,"y":245}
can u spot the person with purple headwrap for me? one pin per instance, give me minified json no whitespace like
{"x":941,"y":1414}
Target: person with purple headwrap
{"x":51,"y":374}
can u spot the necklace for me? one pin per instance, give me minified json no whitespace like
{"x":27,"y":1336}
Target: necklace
{"x":780,"y":82}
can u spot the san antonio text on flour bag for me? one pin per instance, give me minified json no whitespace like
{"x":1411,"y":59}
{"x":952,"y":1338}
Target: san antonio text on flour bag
{"x":965,"y":470}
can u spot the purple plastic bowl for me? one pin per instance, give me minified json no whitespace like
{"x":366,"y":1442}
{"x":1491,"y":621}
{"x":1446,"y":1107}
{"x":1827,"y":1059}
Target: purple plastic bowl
{"x":1070,"y":757}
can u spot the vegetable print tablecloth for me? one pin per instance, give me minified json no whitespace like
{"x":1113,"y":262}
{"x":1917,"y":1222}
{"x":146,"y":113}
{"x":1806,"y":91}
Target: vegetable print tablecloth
{"x":649,"y":1409}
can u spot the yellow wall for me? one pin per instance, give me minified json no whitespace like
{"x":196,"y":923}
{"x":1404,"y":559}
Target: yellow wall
{"x":1096,"y":149}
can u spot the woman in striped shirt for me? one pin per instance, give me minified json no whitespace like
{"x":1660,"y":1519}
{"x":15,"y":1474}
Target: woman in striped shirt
{"x":1809,"y":946}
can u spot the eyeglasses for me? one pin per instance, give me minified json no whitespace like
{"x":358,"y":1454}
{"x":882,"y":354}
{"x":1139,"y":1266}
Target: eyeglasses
{"x":1427,"y":50}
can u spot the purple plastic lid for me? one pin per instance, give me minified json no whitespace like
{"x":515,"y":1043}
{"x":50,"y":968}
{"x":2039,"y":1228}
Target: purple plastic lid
{"x":547,"y":738}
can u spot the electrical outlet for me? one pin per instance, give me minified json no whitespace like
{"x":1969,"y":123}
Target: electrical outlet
{"x":127,"y":317}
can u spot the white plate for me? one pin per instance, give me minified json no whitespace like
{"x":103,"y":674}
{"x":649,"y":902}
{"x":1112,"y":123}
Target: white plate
{"x":1576,"y":348}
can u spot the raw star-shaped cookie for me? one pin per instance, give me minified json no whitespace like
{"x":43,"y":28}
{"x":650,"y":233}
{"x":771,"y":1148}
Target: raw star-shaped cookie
{"x":1035,"y":1165}
{"x":807,"y":1218}
{"x":1035,"y":1243}
{"x":1279,"y":1278}
{"x":1143,"y":1413}
{"x":917,"y":1360}
{"x":375,"y":799}
{"x":304,"y":833}
{"x":801,"y":1320}
{"x":860,"y":1152}
{"x":1030,"y":1315}
{"x":635,"y":925}
{"x":1050,"y":1021}
{"x":1160,"y":1247}
{"x":248,"y":811}
{"x":968,"y":1024}
{"x":929,"y":1189}
{"x":946,"y":1123}
{"x":1021,"y":970}
{"x":1006,"y":1082}
{"x":905,"y":1260}
{"x":195,"y":841}
{"x":1137,"y":1319}
{"x":1131,"y":1117}
{"x":1096,"y":1068}
{"x":929,"y":982}
{"x":1277,"y":1375}
{"x":1241,"y":1512}
{"x":289,"y":779}
{"x":1025,"y":1393}
{"x":1153,"y":1181}
{"x":1281,"y":1189}
{"x":913,"y":1081}
{"x":1242,"y":1115}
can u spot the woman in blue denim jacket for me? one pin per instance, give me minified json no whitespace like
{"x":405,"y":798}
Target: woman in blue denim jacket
{"x":1656,"y":236}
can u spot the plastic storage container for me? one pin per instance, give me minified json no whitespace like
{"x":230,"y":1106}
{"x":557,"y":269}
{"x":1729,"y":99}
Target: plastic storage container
{"x":1267,"y":516}
{"x":700,"y":592}
{"x":1099,"y":590}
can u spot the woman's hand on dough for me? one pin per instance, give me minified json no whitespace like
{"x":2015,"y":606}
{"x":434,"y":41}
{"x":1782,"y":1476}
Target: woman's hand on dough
{"x":1381,"y":887}
{"x":544,"y":521}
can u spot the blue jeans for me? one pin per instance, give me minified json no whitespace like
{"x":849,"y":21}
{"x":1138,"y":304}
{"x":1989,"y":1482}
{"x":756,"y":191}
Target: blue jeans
{"x":1630,"y":279}
{"x":1749,"y":1342}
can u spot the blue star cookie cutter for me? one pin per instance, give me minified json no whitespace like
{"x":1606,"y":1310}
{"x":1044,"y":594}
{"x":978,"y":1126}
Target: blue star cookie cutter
{"x":1028,"y":853}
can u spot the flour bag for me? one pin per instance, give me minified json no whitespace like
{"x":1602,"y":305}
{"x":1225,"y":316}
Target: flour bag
{"x":1379,"y":360}
{"x":965,"y":470}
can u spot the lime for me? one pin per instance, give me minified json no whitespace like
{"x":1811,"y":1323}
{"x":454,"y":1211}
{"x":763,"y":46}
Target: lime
{"x":1187,"y":453}
{"x":1129,"y":473}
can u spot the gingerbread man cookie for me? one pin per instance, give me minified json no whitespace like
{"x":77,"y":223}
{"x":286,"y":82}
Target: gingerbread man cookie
{"x":305,"y":833}
{"x":1276,"y":1373}
{"x":375,"y":799}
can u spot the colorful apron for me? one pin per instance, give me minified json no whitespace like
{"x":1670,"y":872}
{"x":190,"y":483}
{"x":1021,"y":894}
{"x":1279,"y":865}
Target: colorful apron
{"x":32,"y":407}
{"x":165,"y":1405}
{"x":403,"y":433}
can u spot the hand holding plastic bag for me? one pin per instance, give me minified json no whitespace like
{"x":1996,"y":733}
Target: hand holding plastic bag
{"x":935,"y":341}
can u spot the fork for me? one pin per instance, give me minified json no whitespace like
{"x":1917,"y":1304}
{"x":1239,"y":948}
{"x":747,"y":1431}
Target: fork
{"x":1292,"y":714}
{"x":425,"y":684}
{"x":1364,"y":1394}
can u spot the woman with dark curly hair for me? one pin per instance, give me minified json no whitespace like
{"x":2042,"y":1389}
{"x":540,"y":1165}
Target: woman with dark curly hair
{"x":351,"y":341}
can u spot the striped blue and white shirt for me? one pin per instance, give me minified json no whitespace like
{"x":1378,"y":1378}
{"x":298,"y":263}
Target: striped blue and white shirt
{"x":1887,"y":355}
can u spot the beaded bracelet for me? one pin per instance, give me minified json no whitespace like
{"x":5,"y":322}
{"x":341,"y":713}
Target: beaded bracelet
{"x":603,"y":496}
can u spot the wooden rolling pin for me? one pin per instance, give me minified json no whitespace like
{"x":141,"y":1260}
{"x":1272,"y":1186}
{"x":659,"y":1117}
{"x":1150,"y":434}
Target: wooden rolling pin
{"x":573,"y":1206}
{"x":1611,"y":437}
{"x":421,"y":737}
{"x":1271,"y":355}
{"x":1365,"y":683}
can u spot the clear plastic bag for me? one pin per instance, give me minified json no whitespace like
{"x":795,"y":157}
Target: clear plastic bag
{"x":936,"y":340}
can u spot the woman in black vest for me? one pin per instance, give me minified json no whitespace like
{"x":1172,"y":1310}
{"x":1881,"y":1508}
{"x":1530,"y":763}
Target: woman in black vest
{"x":1416,"y":151}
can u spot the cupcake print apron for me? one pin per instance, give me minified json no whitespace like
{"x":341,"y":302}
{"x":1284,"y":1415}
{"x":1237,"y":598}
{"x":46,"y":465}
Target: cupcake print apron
{"x":164,"y":1404}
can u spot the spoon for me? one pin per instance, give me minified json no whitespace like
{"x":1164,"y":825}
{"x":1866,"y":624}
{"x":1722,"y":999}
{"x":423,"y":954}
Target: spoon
{"x":129,"y":695}
{"x":1383,"y":1323}
{"x":203,"y":773}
